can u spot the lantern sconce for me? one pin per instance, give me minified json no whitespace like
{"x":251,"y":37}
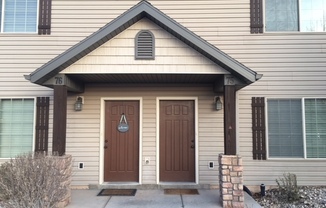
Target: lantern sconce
{"x":218,"y":104}
{"x":79,"y":103}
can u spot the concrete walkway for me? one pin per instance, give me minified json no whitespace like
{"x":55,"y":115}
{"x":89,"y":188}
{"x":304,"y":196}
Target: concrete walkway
{"x":151,"y":199}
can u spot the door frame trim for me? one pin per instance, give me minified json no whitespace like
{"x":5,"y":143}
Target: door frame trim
{"x":158,"y":99}
{"x":102,"y":133}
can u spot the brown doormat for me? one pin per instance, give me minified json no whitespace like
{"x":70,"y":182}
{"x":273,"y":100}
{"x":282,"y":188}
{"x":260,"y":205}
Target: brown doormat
{"x":181,"y":191}
{"x":117,"y":192}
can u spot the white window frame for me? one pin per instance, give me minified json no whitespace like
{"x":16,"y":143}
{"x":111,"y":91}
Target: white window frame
{"x":34,"y":119}
{"x":303,"y":129}
{"x":299,"y":19}
{"x":3,"y":15}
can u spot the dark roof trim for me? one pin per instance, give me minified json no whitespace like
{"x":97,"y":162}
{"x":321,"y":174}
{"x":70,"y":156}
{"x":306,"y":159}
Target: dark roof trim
{"x":131,"y":16}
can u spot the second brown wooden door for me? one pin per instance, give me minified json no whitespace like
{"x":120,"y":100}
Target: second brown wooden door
{"x":177,"y":141}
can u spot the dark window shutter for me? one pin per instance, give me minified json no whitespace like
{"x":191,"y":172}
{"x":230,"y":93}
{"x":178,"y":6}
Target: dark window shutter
{"x":145,"y":45}
{"x":258,"y":128}
{"x":44,"y":22}
{"x":42,"y":124}
{"x":256,"y":16}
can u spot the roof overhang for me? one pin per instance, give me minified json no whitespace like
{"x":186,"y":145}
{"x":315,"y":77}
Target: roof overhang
{"x":143,"y":9}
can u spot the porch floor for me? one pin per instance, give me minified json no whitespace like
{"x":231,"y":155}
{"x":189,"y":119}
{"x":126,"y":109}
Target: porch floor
{"x":150,"y":199}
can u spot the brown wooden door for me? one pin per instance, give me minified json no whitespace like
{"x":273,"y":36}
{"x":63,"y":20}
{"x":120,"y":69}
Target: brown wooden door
{"x":177,"y":141}
{"x":121,"y":154}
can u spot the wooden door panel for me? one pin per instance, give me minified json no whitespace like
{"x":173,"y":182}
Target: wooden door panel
{"x":121,"y":155}
{"x":177,"y":140}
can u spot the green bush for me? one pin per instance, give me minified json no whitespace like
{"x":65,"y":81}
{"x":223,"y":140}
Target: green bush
{"x":288,"y":187}
{"x":34,"y":181}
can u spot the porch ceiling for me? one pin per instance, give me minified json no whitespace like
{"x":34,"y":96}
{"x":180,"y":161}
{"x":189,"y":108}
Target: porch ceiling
{"x":145,"y":78}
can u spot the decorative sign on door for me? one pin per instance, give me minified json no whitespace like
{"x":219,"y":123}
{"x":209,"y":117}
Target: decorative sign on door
{"x":123,"y":125}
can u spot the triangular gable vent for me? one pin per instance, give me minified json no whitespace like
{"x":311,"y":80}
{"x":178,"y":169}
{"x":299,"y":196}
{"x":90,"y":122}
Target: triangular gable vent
{"x":145,"y":45}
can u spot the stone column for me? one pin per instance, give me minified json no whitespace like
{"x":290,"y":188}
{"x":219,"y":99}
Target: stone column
{"x":231,"y":181}
{"x":65,"y":164}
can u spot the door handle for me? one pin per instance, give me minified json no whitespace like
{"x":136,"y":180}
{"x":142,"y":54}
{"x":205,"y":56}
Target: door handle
{"x":192,"y":146}
{"x":105,"y":146}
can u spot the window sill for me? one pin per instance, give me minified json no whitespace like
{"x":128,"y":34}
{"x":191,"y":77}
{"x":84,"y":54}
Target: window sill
{"x":292,"y":33}
{"x":18,"y":34}
{"x":297,"y":159}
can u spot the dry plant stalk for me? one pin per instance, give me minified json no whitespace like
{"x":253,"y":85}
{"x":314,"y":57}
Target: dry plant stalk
{"x":288,"y":187}
{"x":34,"y":180}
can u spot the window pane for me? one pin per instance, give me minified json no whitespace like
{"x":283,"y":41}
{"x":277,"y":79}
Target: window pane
{"x":315,"y":113}
{"x":312,"y":15}
{"x":16,"y":126}
{"x":285,"y":137}
{"x":281,"y":15}
{"x":20,"y":16}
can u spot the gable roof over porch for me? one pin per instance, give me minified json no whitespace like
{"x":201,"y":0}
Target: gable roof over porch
{"x":142,"y":10}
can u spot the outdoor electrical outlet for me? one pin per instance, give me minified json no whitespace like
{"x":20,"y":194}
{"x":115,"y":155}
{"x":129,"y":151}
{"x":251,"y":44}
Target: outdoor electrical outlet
{"x":147,"y":160}
{"x":211,"y":165}
{"x":80,"y":165}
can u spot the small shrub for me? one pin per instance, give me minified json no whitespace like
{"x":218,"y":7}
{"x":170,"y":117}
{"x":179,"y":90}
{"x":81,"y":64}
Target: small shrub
{"x":288,"y":187}
{"x":34,"y":181}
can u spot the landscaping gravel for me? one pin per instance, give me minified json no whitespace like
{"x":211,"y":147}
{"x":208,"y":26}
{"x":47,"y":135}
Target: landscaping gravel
{"x":309,"y":197}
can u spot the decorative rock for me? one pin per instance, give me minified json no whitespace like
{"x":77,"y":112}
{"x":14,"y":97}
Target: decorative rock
{"x":231,"y":181}
{"x":310,"y":197}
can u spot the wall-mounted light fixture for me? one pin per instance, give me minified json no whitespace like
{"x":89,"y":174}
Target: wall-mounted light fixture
{"x":218,"y":103}
{"x":79,"y":103}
